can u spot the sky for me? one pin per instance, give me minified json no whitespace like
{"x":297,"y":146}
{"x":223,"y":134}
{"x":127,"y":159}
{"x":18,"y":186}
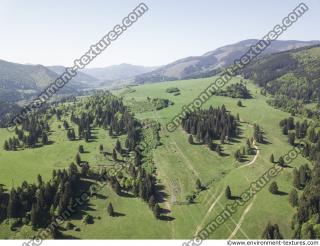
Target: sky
{"x":57,"y":32}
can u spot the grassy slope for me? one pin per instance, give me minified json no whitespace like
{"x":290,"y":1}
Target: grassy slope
{"x":178,"y":164}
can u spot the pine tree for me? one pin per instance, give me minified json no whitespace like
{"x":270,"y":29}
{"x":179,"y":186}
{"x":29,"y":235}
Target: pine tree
{"x":65,"y":125}
{"x":156,"y":210}
{"x":296,"y":179}
{"x":291,"y":138}
{"x":281,"y":161}
{"x":40,"y":181}
{"x":110,"y":210}
{"x":101,"y":148}
{"x":13,"y":205}
{"x":190,"y":139}
{"x":78,"y":159}
{"x":272,"y":158}
{"x":6,"y":146}
{"x":273,"y":188}
{"x":110,"y":132}
{"x":294,"y":198}
{"x":34,"y":215}
{"x":198,"y":184}
{"x":44,"y":139}
{"x":118,"y":146}
{"x":272,"y":232}
{"x":114,"y":155}
{"x":239,"y":103}
{"x":81,"y":149}
{"x":218,"y":150}
{"x":152,"y":202}
{"x":228,"y":192}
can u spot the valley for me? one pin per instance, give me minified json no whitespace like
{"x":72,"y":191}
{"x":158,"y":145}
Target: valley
{"x":178,"y":165}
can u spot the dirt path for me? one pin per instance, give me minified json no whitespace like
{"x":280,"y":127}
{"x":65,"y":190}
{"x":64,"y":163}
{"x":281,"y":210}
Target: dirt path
{"x":238,"y":225}
{"x":255,"y":157}
{"x":199,"y":227}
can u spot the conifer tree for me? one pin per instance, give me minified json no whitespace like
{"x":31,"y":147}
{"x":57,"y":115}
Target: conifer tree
{"x":273,"y":188}
{"x":228,"y":192}
{"x":78,"y":159}
{"x":110,"y":210}
{"x":81,"y":149}
{"x":114,"y":155}
{"x":272,"y":158}
{"x":294,"y":198}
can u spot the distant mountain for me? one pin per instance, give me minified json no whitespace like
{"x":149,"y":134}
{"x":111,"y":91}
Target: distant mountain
{"x":19,"y":81}
{"x":210,"y":63}
{"x":81,"y":77}
{"x":117,"y":72}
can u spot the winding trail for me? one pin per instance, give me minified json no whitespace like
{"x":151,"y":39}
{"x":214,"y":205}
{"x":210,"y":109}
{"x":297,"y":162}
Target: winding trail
{"x":255,"y":157}
{"x":238,"y":225}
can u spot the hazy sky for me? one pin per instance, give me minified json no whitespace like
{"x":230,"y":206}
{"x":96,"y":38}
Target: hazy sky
{"x":56,"y":32}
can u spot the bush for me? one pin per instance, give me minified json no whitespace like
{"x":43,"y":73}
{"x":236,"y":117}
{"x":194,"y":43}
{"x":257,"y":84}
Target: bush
{"x":172,"y":90}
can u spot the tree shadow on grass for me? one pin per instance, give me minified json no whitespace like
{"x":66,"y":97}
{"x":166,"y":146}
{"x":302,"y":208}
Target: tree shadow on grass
{"x":50,"y":142}
{"x":161,"y":195}
{"x":234,"y":198}
{"x":164,"y":211}
{"x":281,"y":193}
{"x":126,"y":194}
{"x":166,"y":218}
{"x":117,"y":214}
{"x":100,"y":196}
{"x":234,"y":140}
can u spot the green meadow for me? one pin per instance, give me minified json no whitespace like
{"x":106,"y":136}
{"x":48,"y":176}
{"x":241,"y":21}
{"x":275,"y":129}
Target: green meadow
{"x":178,"y":165}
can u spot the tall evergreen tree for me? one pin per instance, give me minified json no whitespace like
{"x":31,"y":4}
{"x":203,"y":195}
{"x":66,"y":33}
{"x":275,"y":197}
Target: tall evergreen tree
{"x":114,"y":155}
{"x":228,"y":192}
{"x":78,"y":159}
{"x":110,"y":210}
{"x":118,"y":146}
{"x":6,"y":146}
{"x":81,"y":149}
{"x":294,"y":198}
{"x":272,"y":158}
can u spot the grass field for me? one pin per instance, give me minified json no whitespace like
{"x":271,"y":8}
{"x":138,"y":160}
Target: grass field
{"x":178,"y":165}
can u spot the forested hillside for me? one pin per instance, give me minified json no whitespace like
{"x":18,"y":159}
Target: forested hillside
{"x":292,"y":78}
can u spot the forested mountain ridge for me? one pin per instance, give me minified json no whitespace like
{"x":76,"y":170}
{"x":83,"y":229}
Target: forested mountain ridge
{"x":20,"y":81}
{"x":291,"y":77}
{"x":211,"y":62}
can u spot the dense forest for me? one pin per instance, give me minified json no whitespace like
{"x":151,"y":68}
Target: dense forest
{"x":291,"y":77}
{"x":306,"y":222}
{"x":211,"y":124}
